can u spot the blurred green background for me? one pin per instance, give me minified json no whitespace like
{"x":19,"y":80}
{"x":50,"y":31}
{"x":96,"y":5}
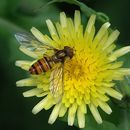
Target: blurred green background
{"x":19,"y":16}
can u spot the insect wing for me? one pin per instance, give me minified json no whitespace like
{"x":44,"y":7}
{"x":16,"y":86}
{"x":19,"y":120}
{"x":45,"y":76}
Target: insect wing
{"x":56,"y":78}
{"x":30,"y":43}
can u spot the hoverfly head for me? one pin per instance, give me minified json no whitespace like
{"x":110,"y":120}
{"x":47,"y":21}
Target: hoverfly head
{"x":69,"y":51}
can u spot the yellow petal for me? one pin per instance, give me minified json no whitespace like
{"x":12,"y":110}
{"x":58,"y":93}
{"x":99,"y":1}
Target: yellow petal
{"x":26,"y":82}
{"x":32,"y":92}
{"x":103,"y":40}
{"x":83,"y":108}
{"x":77,"y":20}
{"x":42,"y":94}
{"x":50,"y":103}
{"x":40,"y":105}
{"x":124,"y":71}
{"x":104,"y":106}
{"x":113,"y":36}
{"x":54,"y":113}
{"x":62,"y":111}
{"x":63,"y":20}
{"x":38,"y":35}
{"x":71,"y":114}
{"x":95,"y":113}
{"x":90,"y":29}
{"x":90,"y":24}
{"x":116,"y":65}
{"x":101,"y":33}
{"x":51,"y":27}
{"x":110,"y":48}
{"x":119,"y":52}
{"x":113,"y":93}
{"x":103,"y":97}
{"x":23,"y":64}
{"x":81,"y":118}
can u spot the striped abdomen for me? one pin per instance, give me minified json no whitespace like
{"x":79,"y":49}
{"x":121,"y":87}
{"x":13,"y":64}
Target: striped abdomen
{"x":42,"y":65}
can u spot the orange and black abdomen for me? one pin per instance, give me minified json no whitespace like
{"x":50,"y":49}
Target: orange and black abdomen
{"x":42,"y":65}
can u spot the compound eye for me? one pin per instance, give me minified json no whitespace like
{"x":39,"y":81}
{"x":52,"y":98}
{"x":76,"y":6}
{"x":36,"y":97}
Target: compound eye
{"x":66,"y":47}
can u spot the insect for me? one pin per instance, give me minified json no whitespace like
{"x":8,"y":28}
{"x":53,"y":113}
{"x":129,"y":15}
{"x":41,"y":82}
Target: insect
{"x":46,"y":63}
{"x":55,"y":62}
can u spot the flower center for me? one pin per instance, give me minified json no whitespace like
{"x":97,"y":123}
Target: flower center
{"x":74,"y":69}
{"x":80,"y":74}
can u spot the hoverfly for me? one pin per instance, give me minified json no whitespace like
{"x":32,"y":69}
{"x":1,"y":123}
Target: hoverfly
{"x":55,"y":62}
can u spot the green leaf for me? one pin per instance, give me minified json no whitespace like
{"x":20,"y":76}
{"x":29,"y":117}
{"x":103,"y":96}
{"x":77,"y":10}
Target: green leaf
{"x":85,"y":9}
{"x":9,"y":27}
{"x":91,"y":124}
{"x":3,"y":4}
{"x":104,"y":126}
{"x":125,"y":120}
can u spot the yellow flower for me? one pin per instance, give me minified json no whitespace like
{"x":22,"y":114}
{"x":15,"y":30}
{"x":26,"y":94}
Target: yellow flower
{"x":88,"y":77}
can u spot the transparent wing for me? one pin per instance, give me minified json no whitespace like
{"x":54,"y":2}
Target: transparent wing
{"x":30,"y":43}
{"x":56,"y":78}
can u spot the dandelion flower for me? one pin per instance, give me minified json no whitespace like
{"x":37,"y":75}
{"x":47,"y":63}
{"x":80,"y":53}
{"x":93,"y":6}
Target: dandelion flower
{"x":88,"y":77}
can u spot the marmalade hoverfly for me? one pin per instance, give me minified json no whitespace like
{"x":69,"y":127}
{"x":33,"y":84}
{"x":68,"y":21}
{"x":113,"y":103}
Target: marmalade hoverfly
{"x":55,"y":62}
